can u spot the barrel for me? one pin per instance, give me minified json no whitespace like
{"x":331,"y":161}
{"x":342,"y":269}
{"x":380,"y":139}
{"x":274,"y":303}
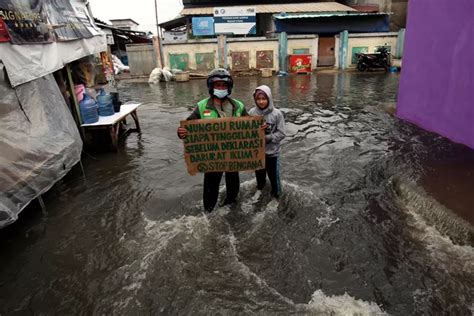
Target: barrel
{"x":182,"y":76}
{"x":88,"y":109}
{"x":106,"y":105}
{"x":266,"y":72}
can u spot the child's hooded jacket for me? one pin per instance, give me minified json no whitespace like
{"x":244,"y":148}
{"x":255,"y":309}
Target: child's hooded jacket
{"x":274,"y":119}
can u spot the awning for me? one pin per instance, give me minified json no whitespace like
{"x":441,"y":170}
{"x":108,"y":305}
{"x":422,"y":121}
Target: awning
{"x":325,"y":15}
{"x":332,"y":23}
{"x":277,"y":8}
{"x":174,"y":23}
{"x":27,"y":62}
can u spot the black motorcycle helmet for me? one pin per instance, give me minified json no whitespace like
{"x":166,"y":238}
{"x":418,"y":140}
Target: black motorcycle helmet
{"x":219,"y":74}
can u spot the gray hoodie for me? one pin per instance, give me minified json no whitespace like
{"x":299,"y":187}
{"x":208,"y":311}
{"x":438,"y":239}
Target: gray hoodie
{"x":274,"y":119}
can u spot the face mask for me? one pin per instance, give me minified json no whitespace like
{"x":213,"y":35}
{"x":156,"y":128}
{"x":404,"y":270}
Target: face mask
{"x":221,"y":94}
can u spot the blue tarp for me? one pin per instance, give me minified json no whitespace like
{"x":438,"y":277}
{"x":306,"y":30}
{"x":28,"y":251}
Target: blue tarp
{"x":333,"y":24}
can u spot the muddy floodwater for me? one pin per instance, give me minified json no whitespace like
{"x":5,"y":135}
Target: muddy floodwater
{"x":374,"y":217}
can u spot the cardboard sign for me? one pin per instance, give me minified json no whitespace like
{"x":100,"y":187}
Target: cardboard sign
{"x":224,"y":144}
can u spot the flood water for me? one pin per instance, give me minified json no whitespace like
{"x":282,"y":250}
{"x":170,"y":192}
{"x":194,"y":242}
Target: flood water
{"x":365,"y":223}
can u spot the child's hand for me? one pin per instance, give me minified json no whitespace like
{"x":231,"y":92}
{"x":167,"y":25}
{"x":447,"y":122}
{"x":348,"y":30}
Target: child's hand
{"x":182,"y":132}
{"x":264,"y":126}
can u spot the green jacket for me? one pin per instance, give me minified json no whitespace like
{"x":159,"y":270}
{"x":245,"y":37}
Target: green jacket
{"x":206,"y":109}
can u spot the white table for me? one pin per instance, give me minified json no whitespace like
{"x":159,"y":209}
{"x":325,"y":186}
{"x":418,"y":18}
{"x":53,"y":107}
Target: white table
{"x":112,"y":122}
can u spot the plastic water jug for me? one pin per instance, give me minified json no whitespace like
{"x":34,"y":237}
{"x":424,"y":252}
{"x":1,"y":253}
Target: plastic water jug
{"x":106,"y":106}
{"x":88,"y":109}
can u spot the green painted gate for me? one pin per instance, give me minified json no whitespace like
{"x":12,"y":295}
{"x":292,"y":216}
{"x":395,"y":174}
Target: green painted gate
{"x":358,"y":50}
{"x":205,"y":61}
{"x":179,"y":61}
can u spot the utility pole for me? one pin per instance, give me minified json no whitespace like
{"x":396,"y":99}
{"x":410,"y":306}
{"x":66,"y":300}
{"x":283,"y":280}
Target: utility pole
{"x":156,"y":16}
{"x":157,"y":43}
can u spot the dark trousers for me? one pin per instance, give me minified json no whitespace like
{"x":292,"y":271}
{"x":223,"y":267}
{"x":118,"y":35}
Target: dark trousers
{"x":272,"y":169}
{"x":212,"y":181}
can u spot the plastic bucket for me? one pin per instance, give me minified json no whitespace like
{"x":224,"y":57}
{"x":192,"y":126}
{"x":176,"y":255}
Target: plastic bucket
{"x":79,"y":91}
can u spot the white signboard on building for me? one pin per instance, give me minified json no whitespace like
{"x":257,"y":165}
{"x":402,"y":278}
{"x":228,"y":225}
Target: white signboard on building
{"x":235,"y":20}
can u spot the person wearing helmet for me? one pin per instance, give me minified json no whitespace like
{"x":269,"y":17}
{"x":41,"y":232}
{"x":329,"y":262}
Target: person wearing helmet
{"x":219,"y":104}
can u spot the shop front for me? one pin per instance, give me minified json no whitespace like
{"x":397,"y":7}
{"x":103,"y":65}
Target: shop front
{"x":45,"y":74}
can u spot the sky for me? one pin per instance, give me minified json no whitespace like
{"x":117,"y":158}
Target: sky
{"x":141,"y":11}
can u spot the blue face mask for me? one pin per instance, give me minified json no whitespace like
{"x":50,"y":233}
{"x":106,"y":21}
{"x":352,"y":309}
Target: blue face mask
{"x":221,"y":94}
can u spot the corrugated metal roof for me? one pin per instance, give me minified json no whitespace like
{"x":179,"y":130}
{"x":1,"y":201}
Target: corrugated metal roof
{"x":323,"y":15}
{"x":277,"y":8}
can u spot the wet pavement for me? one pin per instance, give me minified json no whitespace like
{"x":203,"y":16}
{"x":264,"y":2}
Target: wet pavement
{"x":366,"y":223}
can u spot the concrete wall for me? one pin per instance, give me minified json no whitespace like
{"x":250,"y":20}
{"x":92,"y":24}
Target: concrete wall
{"x":399,"y":18}
{"x":304,"y":41}
{"x":242,"y":47}
{"x":252,"y":47}
{"x":369,"y":40}
{"x":141,"y":59}
{"x":190,"y":47}
{"x":398,"y":8}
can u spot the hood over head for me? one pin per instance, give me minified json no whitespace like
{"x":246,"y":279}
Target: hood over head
{"x":265,"y":89}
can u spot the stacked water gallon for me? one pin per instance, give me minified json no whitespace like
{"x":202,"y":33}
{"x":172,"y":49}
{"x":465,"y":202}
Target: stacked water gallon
{"x":106,"y":106}
{"x":88,"y":109}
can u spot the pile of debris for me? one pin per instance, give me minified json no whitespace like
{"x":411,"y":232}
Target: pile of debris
{"x":119,"y":67}
{"x":159,"y":74}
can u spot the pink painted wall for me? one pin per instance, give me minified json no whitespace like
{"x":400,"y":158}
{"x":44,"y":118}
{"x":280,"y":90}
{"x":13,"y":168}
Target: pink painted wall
{"x":437,"y":81}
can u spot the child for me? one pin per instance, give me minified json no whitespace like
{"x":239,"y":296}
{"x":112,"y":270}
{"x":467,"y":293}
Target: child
{"x":274,"y":134}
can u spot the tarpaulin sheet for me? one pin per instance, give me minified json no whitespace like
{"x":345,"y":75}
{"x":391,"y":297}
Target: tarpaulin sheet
{"x":39,"y":142}
{"x":437,"y":81}
{"x":27,"y":62}
{"x":61,"y":12}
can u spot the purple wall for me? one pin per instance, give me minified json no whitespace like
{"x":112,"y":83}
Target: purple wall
{"x":437,"y":81}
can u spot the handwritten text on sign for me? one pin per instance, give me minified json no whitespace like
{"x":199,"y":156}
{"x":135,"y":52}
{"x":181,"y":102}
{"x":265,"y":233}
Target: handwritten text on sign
{"x":224,"y":144}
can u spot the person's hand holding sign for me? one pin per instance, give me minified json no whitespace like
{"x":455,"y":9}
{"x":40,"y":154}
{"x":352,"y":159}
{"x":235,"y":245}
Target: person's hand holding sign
{"x":182,"y":132}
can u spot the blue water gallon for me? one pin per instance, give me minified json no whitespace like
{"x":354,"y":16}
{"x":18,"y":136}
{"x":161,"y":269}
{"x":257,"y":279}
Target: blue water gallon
{"x":106,"y":105}
{"x":88,"y":109}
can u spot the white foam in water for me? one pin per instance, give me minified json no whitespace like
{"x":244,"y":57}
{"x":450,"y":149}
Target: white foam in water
{"x":159,"y":234}
{"x":442,"y":248}
{"x":448,"y":255}
{"x":272,"y":206}
{"x":342,"y":305}
{"x":193,"y":230}
{"x":256,"y":196}
{"x":326,"y":219}
{"x":261,"y":217}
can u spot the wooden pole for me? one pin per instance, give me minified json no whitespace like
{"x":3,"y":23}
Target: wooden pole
{"x":158,"y":46}
{"x":75,"y":103}
{"x":158,"y":51}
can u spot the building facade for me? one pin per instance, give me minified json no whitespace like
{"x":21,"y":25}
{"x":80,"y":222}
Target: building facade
{"x":309,"y":28}
{"x":125,"y":24}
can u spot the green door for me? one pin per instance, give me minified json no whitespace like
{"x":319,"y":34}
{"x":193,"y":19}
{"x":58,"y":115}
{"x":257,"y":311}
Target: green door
{"x":358,"y":50}
{"x":179,"y":61}
{"x":204,"y":61}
